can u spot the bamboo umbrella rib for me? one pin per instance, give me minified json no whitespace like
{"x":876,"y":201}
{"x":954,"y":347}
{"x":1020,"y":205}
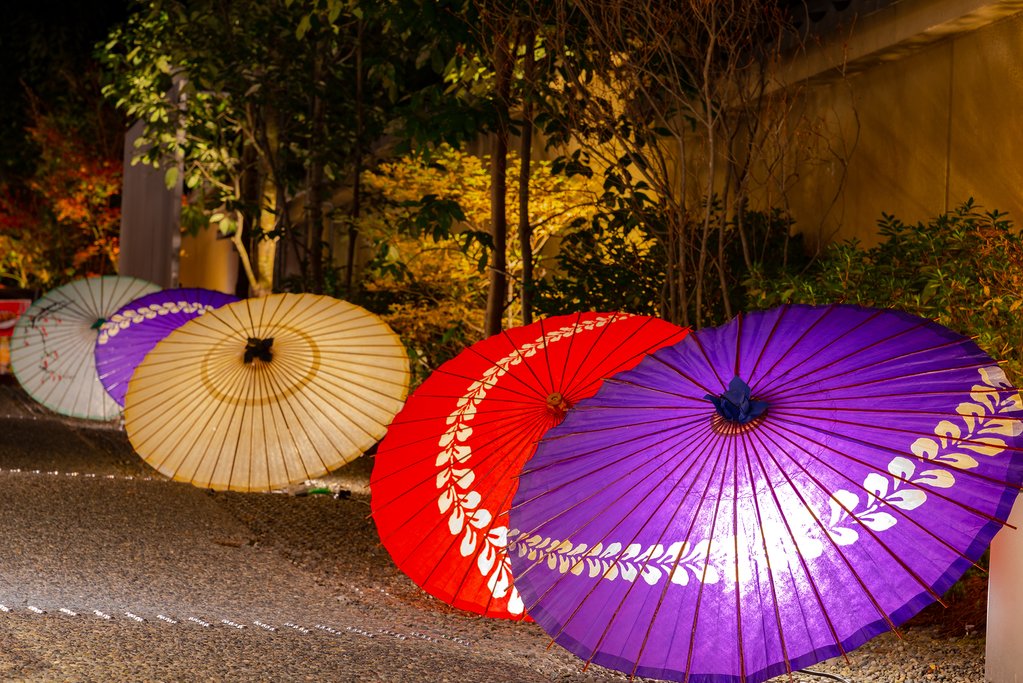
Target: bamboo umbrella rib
{"x":821,"y":381}
{"x":495,"y":428}
{"x":889,"y":449}
{"x":857,"y":350}
{"x":599,"y":372}
{"x":421,"y":446}
{"x":492,"y":457}
{"x":788,"y":353}
{"x":900,"y":512}
{"x":768,"y":342}
{"x":546,"y":353}
{"x":664,"y":590}
{"x":909,"y":454}
{"x":859,"y":487}
{"x":838,"y":549}
{"x":505,"y":472}
{"x":568,"y":353}
{"x":613,"y":505}
{"x":654,"y":509}
{"x":668,"y":422}
{"x":761,"y":526}
{"x":799,"y":554}
{"x":672,"y":450}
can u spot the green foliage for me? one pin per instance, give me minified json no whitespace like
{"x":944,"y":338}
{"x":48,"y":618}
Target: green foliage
{"x":618,"y":259}
{"x":963,"y":268}
{"x":426,"y":222}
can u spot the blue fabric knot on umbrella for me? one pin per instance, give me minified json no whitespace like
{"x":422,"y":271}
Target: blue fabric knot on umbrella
{"x":735,"y":404}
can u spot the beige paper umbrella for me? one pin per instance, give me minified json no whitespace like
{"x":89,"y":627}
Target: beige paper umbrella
{"x":266,"y":392}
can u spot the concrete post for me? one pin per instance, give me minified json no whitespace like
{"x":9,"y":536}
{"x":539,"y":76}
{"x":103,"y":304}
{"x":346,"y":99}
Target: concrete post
{"x":150,"y":225}
{"x":1004,"y":656}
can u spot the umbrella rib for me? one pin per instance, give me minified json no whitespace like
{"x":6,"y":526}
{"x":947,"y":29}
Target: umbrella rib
{"x":547,"y":354}
{"x":600,"y":373}
{"x":706,"y":564}
{"x":853,"y":371}
{"x":237,"y":417}
{"x":692,"y":462}
{"x":873,"y":534}
{"x":909,"y":454}
{"x":678,"y":371}
{"x":508,"y":465}
{"x":706,"y":359}
{"x":799,"y":554}
{"x":497,"y":443}
{"x":223,"y":418}
{"x":761,"y":526}
{"x":610,"y":484}
{"x":429,"y":454}
{"x":674,"y":567}
{"x":947,"y":392}
{"x":568,"y":353}
{"x":271,"y":385}
{"x":859,"y":350}
{"x":825,"y":313}
{"x":500,"y":510}
{"x":805,"y":372}
{"x":646,"y":562}
{"x":531,"y":395}
{"x":794,"y":412}
{"x":738,"y":344}
{"x":782,"y":310}
{"x":789,"y":408}
{"x":834,"y":544}
{"x":550,"y":438}
{"x":735,"y":543}
{"x":543,"y":391}
{"x":911,"y":432}
{"x":785,"y":433}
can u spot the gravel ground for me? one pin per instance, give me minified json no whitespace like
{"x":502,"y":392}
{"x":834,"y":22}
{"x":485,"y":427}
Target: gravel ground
{"x":110,"y":572}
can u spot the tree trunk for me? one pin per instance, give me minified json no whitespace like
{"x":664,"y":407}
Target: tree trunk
{"x":314,"y":198}
{"x":525,"y":158}
{"x":497,"y":293}
{"x":353,"y":223}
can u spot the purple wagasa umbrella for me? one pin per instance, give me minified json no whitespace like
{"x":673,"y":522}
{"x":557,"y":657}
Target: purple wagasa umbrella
{"x":766,"y":494}
{"x":132,"y":332}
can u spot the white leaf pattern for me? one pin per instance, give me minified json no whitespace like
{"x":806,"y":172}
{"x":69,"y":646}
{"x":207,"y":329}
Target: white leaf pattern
{"x":978,"y":429}
{"x":456,"y":477}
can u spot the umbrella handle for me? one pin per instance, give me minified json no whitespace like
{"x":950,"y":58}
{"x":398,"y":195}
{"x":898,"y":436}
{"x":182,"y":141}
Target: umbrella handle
{"x":834,"y":677}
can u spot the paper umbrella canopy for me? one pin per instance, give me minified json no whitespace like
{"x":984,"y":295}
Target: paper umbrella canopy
{"x":134,"y":329}
{"x":444,"y":476}
{"x":766,"y":494}
{"x":264,"y":392}
{"x":53,"y":343}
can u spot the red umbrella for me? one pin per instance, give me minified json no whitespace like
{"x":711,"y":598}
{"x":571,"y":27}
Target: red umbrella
{"x":445,"y":475}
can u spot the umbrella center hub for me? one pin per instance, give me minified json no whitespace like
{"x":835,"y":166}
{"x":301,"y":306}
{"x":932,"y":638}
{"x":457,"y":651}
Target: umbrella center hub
{"x":98,"y":324}
{"x":557,"y":405}
{"x":256,"y":348}
{"x":737,"y":405}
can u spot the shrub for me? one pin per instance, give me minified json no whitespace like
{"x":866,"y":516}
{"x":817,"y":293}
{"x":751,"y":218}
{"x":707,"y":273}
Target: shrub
{"x":963,"y":269}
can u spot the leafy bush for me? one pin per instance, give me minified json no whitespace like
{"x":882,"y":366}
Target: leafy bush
{"x":963,"y":269}
{"x":426,"y":224}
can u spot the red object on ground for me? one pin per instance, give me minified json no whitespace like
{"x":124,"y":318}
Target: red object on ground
{"x":445,"y":475}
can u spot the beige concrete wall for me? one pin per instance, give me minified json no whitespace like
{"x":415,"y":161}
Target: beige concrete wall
{"x":922,"y":133}
{"x":208,"y":262}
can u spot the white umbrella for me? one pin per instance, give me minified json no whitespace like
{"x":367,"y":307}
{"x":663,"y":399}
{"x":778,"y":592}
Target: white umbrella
{"x":53,"y":344}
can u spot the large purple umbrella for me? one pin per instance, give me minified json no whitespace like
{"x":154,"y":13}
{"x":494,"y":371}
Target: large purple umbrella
{"x":132,"y":332}
{"x":766,"y":494}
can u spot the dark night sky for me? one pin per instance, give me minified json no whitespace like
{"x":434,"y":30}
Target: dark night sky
{"x":44,"y":45}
